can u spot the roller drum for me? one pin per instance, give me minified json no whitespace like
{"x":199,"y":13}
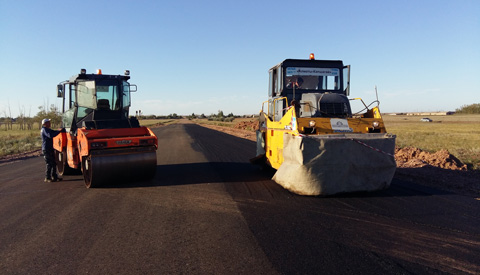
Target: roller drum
{"x":111,"y":166}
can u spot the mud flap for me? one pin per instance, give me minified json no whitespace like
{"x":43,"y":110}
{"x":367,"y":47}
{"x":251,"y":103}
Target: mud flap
{"x":331,"y":164}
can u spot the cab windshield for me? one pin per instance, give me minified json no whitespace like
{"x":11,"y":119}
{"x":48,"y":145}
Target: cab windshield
{"x":101,"y":95}
{"x":306,"y":78}
{"x":108,"y":95}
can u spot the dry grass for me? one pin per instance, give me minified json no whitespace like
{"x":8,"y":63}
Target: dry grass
{"x":18,"y":141}
{"x":221,"y":123}
{"x":156,"y":122}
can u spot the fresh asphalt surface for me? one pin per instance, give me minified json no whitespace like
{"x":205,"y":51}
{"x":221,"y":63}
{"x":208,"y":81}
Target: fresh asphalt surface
{"x":209,"y":211}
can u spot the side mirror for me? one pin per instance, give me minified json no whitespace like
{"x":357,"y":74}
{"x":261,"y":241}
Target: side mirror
{"x":133,"y":88}
{"x":60,"y":90}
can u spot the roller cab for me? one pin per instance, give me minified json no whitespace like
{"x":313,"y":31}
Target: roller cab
{"x":101,"y":140}
{"x":307,"y":131}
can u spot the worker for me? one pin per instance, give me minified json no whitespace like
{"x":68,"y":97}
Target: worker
{"x":297,"y":84}
{"x":47,"y":149}
{"x":296,"y":106}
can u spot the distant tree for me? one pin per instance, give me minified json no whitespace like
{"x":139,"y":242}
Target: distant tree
{"x":192,"y":116}
{"x":469,"y":109}
{"x":52,"y":113}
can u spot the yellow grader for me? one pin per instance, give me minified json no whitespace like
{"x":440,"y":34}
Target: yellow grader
{"x":310,"y":135}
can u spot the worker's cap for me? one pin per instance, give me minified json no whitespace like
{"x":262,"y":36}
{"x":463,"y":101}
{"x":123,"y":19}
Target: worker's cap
{"x":45,"y":120}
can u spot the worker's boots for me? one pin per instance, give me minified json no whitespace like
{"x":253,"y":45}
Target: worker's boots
{"x":52,"y":180}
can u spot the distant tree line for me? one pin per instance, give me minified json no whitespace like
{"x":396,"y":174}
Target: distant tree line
{"x":220,"y":116}
{"x":24,"y":122}
{"x":170,"y":116}
{"x":469,"y":109}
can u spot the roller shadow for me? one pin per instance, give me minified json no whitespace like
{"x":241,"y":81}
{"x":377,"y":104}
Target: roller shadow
{"x":200,"y":173}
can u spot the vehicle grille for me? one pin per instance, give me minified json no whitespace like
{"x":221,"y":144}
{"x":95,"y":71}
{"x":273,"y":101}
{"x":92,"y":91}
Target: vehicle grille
{"x":334,"y":109}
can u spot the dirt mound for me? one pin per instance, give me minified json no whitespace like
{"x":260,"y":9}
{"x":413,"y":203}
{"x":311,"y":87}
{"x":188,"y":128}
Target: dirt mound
{"x":247,"y":125}
{"x":20,"y":156}
{"x":410,"y":157}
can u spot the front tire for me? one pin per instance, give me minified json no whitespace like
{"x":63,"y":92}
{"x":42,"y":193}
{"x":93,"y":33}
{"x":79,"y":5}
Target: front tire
{"x":62,"y":164}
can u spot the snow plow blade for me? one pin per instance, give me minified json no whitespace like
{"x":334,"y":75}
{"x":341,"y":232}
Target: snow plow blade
{"x":339,"y":163}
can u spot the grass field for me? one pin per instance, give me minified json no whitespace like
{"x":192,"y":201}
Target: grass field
{"x":155,"y":122}
{"x":221,"y":123}
{"x":459,"y":134}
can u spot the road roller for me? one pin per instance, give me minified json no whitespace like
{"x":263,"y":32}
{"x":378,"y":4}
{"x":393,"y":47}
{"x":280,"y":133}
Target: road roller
{"x":309,"y":134}
{"x":101,"y":141}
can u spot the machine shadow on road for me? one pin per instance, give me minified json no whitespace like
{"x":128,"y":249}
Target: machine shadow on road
{"x":200,"y":173}
{"x":234,"y":174}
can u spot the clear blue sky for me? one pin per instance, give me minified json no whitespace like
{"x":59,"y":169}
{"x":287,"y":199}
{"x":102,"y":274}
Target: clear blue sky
{"x":204,"y":56}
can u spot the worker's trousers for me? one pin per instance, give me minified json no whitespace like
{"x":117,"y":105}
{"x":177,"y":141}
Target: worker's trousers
{"x":51,"y":170}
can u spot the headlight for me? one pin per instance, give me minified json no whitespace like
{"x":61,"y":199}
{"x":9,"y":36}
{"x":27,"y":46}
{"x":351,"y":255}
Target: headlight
{"x":375,"y":124}
{"x":312,"y":123}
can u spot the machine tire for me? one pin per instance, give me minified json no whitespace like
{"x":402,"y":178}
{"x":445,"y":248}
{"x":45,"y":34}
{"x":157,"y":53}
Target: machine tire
{"x":87,"y":171}
{"x":62,"y":164}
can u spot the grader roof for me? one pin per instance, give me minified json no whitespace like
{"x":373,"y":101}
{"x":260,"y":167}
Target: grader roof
{"x":310,"y":63}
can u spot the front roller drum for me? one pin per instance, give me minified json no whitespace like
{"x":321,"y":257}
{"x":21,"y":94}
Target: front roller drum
{"x":101,"y":169}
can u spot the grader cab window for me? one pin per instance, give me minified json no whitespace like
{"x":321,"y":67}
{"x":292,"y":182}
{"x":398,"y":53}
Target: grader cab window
{"x":312,"y":78}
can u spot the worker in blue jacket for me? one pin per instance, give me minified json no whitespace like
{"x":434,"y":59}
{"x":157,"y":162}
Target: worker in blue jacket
{"x":47,"y":149}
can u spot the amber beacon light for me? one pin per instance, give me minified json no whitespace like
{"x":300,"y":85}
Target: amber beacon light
{"x":312,"y":56}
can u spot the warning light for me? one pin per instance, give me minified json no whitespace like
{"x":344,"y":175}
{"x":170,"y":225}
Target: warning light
{"x":83,"y":71}
{"x":99,"y":71}
{"x":312,"y":56}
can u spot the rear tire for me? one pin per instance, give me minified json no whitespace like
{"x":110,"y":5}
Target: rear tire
{"x":87,"y":171}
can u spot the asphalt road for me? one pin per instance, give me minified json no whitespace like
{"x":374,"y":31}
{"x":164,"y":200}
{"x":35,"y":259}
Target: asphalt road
{"x":209,"y":211}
